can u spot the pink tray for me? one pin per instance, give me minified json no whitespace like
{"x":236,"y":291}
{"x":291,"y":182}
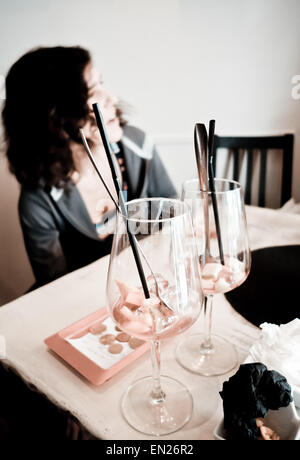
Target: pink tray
{"x":88,"y":368}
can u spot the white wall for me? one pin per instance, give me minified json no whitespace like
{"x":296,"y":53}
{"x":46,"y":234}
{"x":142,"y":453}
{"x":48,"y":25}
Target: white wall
{"x":177,"y":62}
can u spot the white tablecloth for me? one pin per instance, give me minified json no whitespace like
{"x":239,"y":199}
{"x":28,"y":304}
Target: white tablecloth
{"x":27,"y":321}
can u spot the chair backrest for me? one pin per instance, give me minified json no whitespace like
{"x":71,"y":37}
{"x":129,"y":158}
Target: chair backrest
{"x":250,"y":145}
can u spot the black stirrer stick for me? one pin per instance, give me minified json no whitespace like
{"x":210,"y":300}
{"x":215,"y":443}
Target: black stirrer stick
{"x":91,"y":157}
{"x":118,"y":188}
{"x":213,"y":188}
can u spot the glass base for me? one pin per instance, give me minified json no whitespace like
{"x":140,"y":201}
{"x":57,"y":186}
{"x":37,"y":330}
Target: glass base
{"x":157,"y":419}
{"x":195,"y":357}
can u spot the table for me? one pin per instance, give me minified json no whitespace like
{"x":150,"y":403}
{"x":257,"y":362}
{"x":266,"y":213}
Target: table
{"x":27,"y":321}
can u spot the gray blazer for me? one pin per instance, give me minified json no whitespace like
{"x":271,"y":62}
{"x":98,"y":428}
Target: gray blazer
{"x":58,"y":233}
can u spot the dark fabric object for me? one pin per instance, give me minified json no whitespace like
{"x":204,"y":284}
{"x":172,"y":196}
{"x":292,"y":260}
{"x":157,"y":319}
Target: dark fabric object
{"x":241,"y":393}
{"x":271,"y":291}
{"x":248,"y":395}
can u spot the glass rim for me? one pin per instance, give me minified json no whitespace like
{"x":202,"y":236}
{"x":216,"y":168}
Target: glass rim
{"x":217,"y":192}
{"x":184,"y":205}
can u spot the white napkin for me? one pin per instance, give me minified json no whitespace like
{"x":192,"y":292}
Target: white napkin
{"x":2,"y":347}
{"x":279,"y":349}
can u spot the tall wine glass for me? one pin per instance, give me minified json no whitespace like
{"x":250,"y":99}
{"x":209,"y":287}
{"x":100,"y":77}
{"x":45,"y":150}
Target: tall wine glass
{"x":155,"y":405}
{"x":208,"y":354}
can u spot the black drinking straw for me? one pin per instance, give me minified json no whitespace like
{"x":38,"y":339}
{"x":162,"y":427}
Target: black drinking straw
{"x":212,"y":186}
{"x":91,"y":157}
{"x":118,"y":188}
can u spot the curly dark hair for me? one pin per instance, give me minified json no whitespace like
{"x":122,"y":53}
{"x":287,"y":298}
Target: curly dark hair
{"x":46,"y":103}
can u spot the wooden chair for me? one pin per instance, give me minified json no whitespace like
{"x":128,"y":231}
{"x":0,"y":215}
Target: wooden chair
{"x":249,"y":145}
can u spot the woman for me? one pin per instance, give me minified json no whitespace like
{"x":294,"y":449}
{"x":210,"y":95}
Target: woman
{"x":63,"y":206}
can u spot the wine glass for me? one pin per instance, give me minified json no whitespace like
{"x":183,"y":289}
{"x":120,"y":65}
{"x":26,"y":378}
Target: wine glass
{"x":155,"y":405}
{"x":221,"y":271}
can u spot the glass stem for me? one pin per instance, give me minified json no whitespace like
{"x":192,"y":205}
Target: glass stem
{"x":207,"y":345}
{"x":157,"y":395}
